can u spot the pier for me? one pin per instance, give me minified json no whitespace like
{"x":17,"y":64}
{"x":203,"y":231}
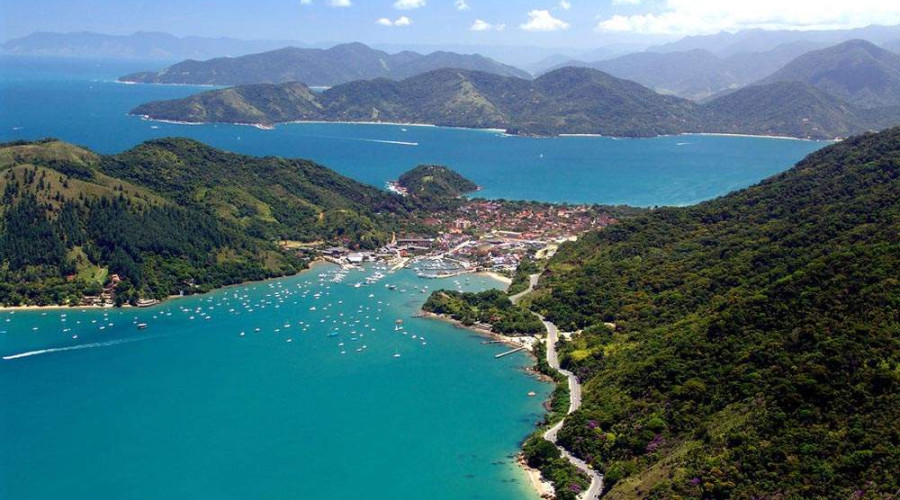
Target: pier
{"x":511,"y":351}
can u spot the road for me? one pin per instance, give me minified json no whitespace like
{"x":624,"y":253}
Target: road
{"x":532,"y":282}
{"x":596,"y":487}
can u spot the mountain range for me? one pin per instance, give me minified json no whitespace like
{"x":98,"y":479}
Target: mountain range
{"x":856,"y":71}
{"x":318,"y":67}
{"x":566,"y":101}
{"x":141,"y":45}
{"x":760,"y":40}
{"x":696,"y":74}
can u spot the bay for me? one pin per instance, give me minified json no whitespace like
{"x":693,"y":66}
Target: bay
{"x":190,"y":408}
{"x":81,"y":103}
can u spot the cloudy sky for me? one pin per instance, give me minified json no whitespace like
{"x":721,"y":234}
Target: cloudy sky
{"x":523,"y":22}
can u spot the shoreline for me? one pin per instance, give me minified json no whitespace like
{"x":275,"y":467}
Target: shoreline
{"x":542,"y":487}
{"x":272,"y":126}
{"x":495,"y":276}
{"x":481,"y":332}
{"x":171,"y":298}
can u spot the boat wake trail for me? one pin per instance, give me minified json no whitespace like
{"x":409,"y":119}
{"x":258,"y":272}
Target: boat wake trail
{"x":401,"y":143}
{"x":76,"y":347}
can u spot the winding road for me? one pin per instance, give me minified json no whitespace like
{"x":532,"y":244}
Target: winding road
{"x":596,"y":487}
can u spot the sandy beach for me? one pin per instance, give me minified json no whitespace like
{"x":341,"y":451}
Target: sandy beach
{"x":542,"y":487}
{"x":496,"y":276}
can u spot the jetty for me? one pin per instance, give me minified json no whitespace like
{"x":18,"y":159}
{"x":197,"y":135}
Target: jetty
{"x":511,"y":351}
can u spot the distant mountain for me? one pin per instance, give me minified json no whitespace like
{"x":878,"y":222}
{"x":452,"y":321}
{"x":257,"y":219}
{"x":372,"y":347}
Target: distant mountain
{"x":141,"y":45}
{"x":318,"y":67}
{"x":565,"y":101}
{"x":856,"y":71}
{"x":758,"y":40}
{"x":792,"y":109}
{"x":569,"y":100}
{"x":697,"y":74}
{"x":692,"y":74}
{"x":893,"y":46}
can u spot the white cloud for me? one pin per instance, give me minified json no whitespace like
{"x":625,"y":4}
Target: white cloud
{"x":688,"y":17}
{"x":461,"y":5}
{"x":542,"y":20}
{"x":305,"y":2}
{"x":565,"y":4}
{"x":408,"y":4}
{"x":481,"y":25}
{"x":626,"y":2}
{"x":340,"y":3}
{"x":400,"y":21}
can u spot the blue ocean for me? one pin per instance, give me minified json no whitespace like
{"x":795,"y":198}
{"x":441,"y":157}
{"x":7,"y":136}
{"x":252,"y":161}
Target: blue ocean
{"x":303,"y":387}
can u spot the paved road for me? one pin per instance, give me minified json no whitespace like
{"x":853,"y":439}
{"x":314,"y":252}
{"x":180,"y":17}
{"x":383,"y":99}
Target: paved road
{"x":532,"y":282}
{"x":593,"y":492}
{"x":596,"y":487}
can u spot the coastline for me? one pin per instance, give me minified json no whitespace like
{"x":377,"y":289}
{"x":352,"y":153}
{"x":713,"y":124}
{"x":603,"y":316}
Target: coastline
{"x":53,"y":307}
{"x":482,"y":332}
{"x":272,"y":126}
{"x":542,"y":487}
{"x":495,"y":276}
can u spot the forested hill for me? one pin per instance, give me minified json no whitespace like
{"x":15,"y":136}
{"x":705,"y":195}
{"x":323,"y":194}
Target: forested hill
{"x":435,"y":181}
{"x":318,"y":67}
{"x":566,"y":101}
{"x":756,"y":343}
{"x":170,"y":216}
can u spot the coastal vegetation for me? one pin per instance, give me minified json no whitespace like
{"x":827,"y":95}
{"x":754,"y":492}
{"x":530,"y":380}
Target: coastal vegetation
{"x":430,"y":182}
{"x":544,"y":456}
{"x":745,"y":347}
{"x":491,"y":307}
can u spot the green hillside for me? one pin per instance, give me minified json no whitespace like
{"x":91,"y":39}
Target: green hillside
{"x":756,"y":343}
{"x":435,"y":182}
{"x":170,"y":216}
{"x":792,"y":109}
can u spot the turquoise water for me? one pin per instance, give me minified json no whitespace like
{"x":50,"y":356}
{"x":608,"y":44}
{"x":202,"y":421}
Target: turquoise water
{"x":80,"y":102}
{"x":189,"y":408}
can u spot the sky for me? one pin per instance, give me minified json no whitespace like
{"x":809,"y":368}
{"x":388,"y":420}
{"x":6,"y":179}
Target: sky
{"x":584,"y":23}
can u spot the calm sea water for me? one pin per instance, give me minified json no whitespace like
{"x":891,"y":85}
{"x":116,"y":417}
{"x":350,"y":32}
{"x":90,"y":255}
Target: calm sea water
{"x":93,"y":407}
{"x":189,"y":408}
{"x":80,"y":102}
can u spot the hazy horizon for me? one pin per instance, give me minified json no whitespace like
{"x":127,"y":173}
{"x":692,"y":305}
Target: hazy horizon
{"x":540,"y":23}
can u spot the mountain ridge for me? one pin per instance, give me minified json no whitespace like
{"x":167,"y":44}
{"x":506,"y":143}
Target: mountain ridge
{"x":566,"y":101}
{"x":317,"y":67}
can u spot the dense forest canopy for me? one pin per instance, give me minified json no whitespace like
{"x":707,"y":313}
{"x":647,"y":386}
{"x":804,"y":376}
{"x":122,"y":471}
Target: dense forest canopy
{"x":746,"y":347}
{"x":173,"y":216}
